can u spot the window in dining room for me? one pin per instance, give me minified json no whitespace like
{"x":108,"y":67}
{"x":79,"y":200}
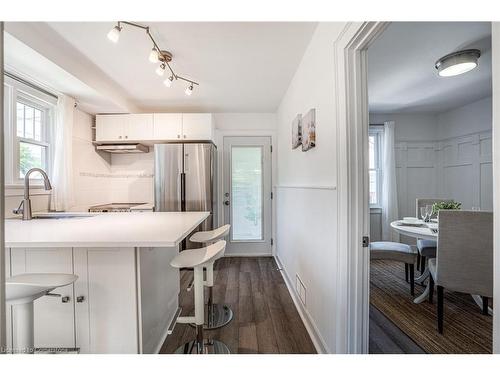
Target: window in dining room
{"x":375,"y":164}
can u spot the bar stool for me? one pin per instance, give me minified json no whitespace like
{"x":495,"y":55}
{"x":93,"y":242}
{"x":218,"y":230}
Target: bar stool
{"x":216,"y":315}
{"x":20,"y":292}
{"x":199,"y":259}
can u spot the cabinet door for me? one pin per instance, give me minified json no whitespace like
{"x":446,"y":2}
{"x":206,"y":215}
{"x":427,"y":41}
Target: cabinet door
{"x":197,"y":126}
{"x":54,"y":318}
{"x":106,"y":300}
{"x":110,"y":127}
{"x":139,"y":127}
{"x":167,"y":126}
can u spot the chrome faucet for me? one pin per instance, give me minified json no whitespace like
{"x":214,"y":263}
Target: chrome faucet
{"x":25,"y":206}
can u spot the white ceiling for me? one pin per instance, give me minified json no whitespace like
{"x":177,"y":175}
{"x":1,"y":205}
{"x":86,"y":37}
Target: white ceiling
{"x":401,"y":73}
{"x":241,"y":67}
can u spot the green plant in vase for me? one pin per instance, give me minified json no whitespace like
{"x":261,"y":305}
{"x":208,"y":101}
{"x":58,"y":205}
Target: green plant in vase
{"x":445,"y":206}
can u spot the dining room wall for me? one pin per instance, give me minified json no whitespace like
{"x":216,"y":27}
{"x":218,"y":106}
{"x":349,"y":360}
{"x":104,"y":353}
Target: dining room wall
{"x":456,"y":164}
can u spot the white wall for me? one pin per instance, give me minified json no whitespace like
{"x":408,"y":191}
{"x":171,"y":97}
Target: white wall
{"x":456,"y":163}
{"x":245,"y":121}
{"x":306,"y":195}
{"x":409,"y":126}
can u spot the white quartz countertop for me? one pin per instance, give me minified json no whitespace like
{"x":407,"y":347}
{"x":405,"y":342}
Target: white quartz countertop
{"x":121,"y":229}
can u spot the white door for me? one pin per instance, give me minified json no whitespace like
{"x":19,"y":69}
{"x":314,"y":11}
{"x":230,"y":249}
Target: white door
{"x":54,"y":315}
{"x":247,"y":194}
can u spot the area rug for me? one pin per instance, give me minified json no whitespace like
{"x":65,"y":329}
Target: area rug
{"x":466,"y":330}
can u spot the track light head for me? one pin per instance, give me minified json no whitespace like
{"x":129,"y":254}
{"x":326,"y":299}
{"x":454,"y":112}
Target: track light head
{"x":114,"y":34}
{"x":161,"y":69}
{"x":153,"y":56}
{"x":168,"y":82}
{"x":189,"y":90}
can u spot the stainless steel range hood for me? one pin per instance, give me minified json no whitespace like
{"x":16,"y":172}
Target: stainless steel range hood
{"x":123,"y":149}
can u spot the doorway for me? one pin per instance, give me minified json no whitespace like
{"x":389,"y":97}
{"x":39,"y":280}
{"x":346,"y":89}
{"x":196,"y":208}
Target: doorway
{"x":247,"y":195}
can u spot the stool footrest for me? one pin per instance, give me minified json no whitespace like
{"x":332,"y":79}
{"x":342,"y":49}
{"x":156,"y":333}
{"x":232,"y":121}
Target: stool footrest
{"x":186,"y":319}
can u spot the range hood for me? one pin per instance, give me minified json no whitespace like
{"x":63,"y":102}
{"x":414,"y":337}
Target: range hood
{"x":123,"y":149}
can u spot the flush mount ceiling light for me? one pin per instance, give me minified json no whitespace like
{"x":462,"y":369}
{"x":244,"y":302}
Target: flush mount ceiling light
{"x":457,"y":63}
{"x":157,"y":55}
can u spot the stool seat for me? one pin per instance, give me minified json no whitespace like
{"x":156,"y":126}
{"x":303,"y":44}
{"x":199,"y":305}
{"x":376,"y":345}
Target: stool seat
{"x":210,"y":235}
{"x":28,"y":287}
{"x":427,"y":248}
{"x":197,"y":257}
{"x":392,"y":251}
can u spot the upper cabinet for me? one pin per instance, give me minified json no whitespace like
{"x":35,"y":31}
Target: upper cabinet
{"x":155,"y":127}
{"x":167,"y":126}
{"x":197,"y":126}
{"x":121,"y":128}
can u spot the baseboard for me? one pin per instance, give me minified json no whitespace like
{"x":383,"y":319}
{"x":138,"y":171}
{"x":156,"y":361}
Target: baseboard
{"x":311,"y":328}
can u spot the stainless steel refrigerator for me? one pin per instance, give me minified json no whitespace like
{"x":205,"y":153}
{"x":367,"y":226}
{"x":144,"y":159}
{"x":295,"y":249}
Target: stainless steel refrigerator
{"x":186,"y":179}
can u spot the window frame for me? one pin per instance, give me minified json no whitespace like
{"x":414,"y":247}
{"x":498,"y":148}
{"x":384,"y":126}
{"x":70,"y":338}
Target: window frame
{"x":16,"y":91}
{"x":377,"y":131}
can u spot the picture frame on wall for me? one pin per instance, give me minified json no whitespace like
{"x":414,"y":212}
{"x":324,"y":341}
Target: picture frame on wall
{"x":308,"y":125}
{"x":296,"y":131}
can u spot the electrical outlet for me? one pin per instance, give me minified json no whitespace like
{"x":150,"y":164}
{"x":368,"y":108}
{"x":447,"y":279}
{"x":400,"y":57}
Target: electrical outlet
{"x":301,"y":289}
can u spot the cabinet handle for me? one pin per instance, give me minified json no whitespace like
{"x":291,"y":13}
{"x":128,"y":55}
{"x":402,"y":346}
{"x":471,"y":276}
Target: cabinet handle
{"x":126,"y":137}
{"x":65,"y":299}
{"x":178,"y":135}
{"x":119,"y":137}
{"x":184,"y":135}
{"x":80,"y":299}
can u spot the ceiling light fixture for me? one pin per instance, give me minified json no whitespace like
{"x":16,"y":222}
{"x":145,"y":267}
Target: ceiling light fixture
{"x":457,"y":63}
{"x":153,"y":56}
{"x":161,"y":69}
{"x":168,"y":81}
{"x":156,"y":55}
{"x":114,"y":33}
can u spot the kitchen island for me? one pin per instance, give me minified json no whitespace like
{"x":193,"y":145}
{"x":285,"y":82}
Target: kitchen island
{"x":126,"y":295}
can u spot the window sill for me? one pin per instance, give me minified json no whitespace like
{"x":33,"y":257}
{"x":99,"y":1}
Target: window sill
{"x":18,"y":190}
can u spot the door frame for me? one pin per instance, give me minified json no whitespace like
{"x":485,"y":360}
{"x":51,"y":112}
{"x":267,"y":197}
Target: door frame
{"x":352,"y":131}
{"x":219,"y":141}
{"x":352,"y":271}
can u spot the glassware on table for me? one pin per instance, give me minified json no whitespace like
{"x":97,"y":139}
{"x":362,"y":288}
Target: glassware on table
{"x":428,"y":211}
{"x":423,"y":213}
{"x":476,"y":208}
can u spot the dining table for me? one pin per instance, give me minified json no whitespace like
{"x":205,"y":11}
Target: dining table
{"x":425,"y":231}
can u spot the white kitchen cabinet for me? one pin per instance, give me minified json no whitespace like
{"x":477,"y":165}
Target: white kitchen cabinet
{"x":167,"y":126}
{"x":197,"y":126}
{"x":106,"y":300}
{"x":139,"y":127}
{"x":54,"y":316}
{"x":122,"y":128}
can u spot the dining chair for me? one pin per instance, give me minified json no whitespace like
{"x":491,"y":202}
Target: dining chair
{"x":426,"y":248}
{"x":464,"y":261}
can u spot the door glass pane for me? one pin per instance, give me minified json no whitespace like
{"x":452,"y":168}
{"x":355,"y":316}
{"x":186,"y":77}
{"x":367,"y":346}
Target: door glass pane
{"x":30,"y":156}
{"x":246,"y":193}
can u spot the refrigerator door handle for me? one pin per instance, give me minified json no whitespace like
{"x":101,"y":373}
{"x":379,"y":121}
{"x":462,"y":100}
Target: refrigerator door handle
{"x":183,"y":192}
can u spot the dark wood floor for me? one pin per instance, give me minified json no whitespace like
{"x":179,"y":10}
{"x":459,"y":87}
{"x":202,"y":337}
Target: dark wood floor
{"x":266,"y":320}
{"x":387,"y":338}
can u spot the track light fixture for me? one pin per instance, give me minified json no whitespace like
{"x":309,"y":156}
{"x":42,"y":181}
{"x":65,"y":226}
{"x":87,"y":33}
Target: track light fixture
{"x":153,"y":56}
{"x":168,"y":81}
{"x":114,"y":33}
{"x":157,"y":55}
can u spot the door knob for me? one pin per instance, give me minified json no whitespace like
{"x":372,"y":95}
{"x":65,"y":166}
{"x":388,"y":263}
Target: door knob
{"x":226,"y":203}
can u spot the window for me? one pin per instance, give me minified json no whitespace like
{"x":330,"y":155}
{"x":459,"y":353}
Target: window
{"x":375,"y":163}
{"x":28,"y":125}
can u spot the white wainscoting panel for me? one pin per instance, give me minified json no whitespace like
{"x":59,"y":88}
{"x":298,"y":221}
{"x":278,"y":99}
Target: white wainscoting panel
{"x":458,"y":168}
{"x":306,"y":247}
